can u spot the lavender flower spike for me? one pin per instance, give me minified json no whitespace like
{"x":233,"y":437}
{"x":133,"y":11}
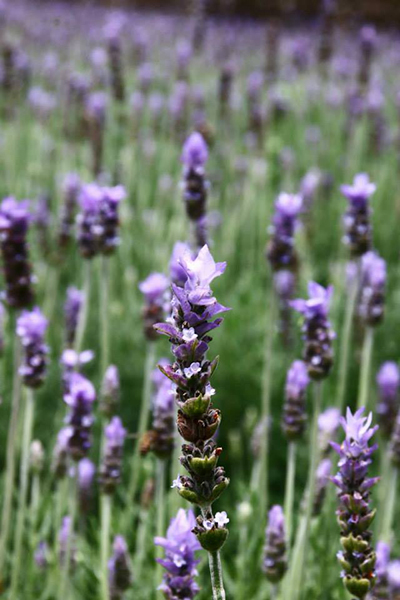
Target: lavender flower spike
{"x":194,"y":309}
{"x":31,"y":327}
{"x":275,"y":563}
{"x":373,"y":282}
{"x":354,"y":514}
{"x":79,"y":398}
{"x":180,"y":563}
{"x":119,"y":569}
{"x":110,"y":472}
{"x":280,"y":252}
{"x":388,"y":380}
{"x":194,"y":156}
{"x":381,"y":589}
{"x":318,"y":335}
{"x":110,"y":391}
{"x":72,"y":307}
{"x":14,"y":223}
{"x":358,"y":231}
{"x":86,"y":474}
{"x":294,"y":410}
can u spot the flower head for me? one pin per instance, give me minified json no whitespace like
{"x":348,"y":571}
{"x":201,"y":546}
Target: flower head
{"x":194,"y":151}
{"x":360,"y":191}
{"x":153,"y":287}
{"x":317,"y":303}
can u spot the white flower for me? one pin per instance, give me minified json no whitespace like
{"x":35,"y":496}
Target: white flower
{"x":221,"y":518}
{"x":208,"y":525}
{"x":189,"y":335}
{"x":210,"y":391}
{"x":192,"y":370}
{"x":177,"y":483}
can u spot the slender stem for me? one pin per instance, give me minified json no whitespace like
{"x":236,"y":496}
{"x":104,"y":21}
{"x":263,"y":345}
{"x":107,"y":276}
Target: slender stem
{"x":59,"y":504}
{"x":265,"y":404}
{"x":143,"y":419}
{"x":73,"y":505}
{"x":83,"y":313}
{"x":389,"y":505}
{"x":273,"y":592}
{"x":104,"y":319}
{"x":345,"y":344}
{"x":35,"y":500}
{"x":160,"y":507}
{"x":12,"y":439}
{"x":217,"y":583}
{"x":365,"y":368}
{"x":301,"y":546}
{"x":23,"y":491}
{"x":289,"y":490}
{"x":140,"y":549}
{"x":106,"y":502}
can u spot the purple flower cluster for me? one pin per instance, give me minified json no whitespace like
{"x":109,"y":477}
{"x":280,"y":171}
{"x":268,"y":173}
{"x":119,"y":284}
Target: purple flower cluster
{"x":119,"y":570}
{"x":180,"y":563}
{"x":294,"y":409}
{"x":275,"y":563}
{"x":357,"y":557}
{"x":373,"y":282}
{"x":193,"y":310}
{"x":14,"y":224}
{"x":72,"y":308}
{"x":85,"y":478}
{"x":388,"y":380}
{"x":110,"y":472}
{"x":358,"y":231}
{"x":194,"y":157}
{"x":31,"y":328}
{"x":79,"y":398}
{"x":154,"y":289}
{"x":281,"y":252}
{"x":98,"y":220}
{"x":317,"y":332}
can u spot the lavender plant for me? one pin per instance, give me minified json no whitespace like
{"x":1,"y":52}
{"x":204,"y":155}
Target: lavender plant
{"x":193,"y":308}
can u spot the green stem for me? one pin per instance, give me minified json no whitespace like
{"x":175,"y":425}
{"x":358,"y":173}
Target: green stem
{"x":365,"y":371}
{"x":83,"y":313}
{"x":389,"y":505}
{"x":265,"y":405}
{"x":12,"y":440}
{"x":217,"y":584}
{"x":60,"y":495}
{"x":23,"y":491}
{"x":289,"y":490}
{"x":35,"y":501}
{"x":106,"y":502}
{"x":301,"y":546}
{"x":73,"y":505}
{"x":160,"y":507}
{"x":345,"y":344}
{"x":104,"y":318}
{"x":143,"y":419}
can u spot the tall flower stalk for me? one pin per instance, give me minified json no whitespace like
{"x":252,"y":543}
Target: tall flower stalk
{"x":14,"y":224}
{"x":357,"y":557}
{"x":195,"y":186}
{"x":31,"y":327}
{"x":358,"y":239}
{"x":318,"y":356}
{"x":193,"y":310}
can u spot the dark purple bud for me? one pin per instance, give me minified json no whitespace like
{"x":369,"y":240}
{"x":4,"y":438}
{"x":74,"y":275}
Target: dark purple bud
{"x":119,"y":569}
{"x":31,"y":327}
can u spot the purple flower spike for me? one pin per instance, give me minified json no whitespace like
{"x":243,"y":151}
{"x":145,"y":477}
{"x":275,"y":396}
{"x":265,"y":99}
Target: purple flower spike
{"x":14,"y":223}
{"x":41,"y":556}
{"x":317,"y":330}
{"x":110,"y":472}
{"x":388,"y":380}
{"x":280,"y":251}
{"x":322,"y":478}
{"x":64,"y":540}
{"x":71,"y":189}
{"x":86,"y":474}
{"x":294,"y":410}
{"x":119,"y":569}
{"x":180,"y":563}
{"x":72,"y":307}
{"x":110,"y":391}
{"x":79,"y":398}
{"x":381,"y":588}
{"x":275,"y":563}
{"x":357,"y":224}
{"x":60,"y":453}
{"x":354,"y":513}
{"x":31,"y":327}
{"x":328,"y":424}
{"x":194,"y":152}
{"x":373,"y":283}
{"x":393,"y":575}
